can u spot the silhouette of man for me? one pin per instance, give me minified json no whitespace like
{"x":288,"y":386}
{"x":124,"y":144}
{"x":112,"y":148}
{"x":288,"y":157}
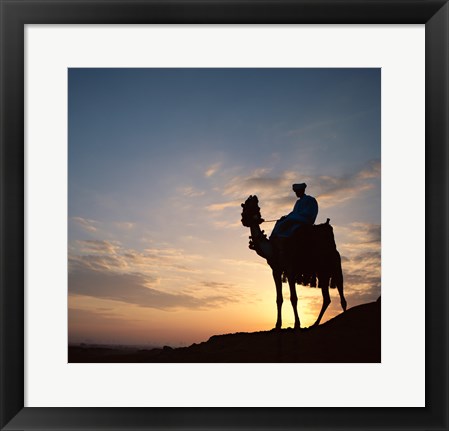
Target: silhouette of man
{"x":304,"y":213}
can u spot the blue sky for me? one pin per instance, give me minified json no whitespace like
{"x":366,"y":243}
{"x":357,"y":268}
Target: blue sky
{"x":159,"y":162}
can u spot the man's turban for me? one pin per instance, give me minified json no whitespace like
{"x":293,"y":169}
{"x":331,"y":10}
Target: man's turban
{"x":301,"y":186}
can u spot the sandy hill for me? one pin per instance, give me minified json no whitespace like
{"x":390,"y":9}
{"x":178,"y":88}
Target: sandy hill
{"x":353,"y":336}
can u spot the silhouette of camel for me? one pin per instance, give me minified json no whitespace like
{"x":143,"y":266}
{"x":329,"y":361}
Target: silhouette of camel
{"x":309,"y":254}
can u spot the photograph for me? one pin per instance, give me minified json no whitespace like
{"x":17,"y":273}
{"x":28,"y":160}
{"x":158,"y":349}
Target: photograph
{"x":224,"y":215}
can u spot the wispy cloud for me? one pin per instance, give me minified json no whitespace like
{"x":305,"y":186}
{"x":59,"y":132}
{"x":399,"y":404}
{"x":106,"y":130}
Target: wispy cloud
{"x":259,"y":181}
{"x":95,"y":226}
{"x":276,"y":195}
{"x":211,"y":170}
{"x":217,"y":285}
{"x":223,"y":224}
{"x":244,"y":263}
{"x":334,"y":191}
{"x":362,"y":262}
{"x":134,"y":288}
{"x":107,"y":270}
{"x":223,"y":205}
{"x":363,"y":237}
{"x":103,"y":277}
{"x":125,"y":225}
{"x":98,"y":246}
{"x":88,"y":225}
{"x":190,"y":192}
{"x":112,"y":256}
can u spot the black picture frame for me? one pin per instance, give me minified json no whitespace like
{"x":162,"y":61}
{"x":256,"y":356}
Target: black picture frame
{"x":17,"y":13}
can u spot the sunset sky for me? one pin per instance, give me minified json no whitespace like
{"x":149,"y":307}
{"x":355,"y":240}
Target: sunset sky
{"x":160,"y":161}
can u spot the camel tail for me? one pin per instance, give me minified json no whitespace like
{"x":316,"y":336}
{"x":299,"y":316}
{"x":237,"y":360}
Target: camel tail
{"x":337,"y":275}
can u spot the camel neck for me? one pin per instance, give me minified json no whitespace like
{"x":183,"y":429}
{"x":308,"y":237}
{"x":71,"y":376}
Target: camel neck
{"x":262,"y":245}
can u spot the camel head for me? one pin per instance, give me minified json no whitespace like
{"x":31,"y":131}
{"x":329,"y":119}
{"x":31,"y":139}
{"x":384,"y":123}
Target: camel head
{"x":251,"y":212}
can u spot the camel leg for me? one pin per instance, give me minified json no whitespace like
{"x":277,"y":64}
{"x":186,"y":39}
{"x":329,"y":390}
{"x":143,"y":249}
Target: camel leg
{"x":277,"y":275}
{"x":339,"y":283}
{"x":324,"y":285}
{"x":342,"y":296}
{"x":294,"y":300}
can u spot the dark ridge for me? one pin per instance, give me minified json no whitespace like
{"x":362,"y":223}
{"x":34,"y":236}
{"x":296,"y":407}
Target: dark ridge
{"x":353,"y":336}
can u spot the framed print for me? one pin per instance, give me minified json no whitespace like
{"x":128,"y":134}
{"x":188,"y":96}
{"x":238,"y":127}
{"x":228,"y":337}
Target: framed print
{"x":142,"y":144}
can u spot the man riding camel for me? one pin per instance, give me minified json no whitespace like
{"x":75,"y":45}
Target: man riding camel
{"x":304,"y":213}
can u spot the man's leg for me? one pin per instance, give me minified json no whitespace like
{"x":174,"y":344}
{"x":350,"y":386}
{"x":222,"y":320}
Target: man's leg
{"x":280,"y":245}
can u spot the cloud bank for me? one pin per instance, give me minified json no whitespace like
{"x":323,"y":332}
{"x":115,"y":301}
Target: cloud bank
{"x":276,"y":197}
{"x":106,"y":270}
